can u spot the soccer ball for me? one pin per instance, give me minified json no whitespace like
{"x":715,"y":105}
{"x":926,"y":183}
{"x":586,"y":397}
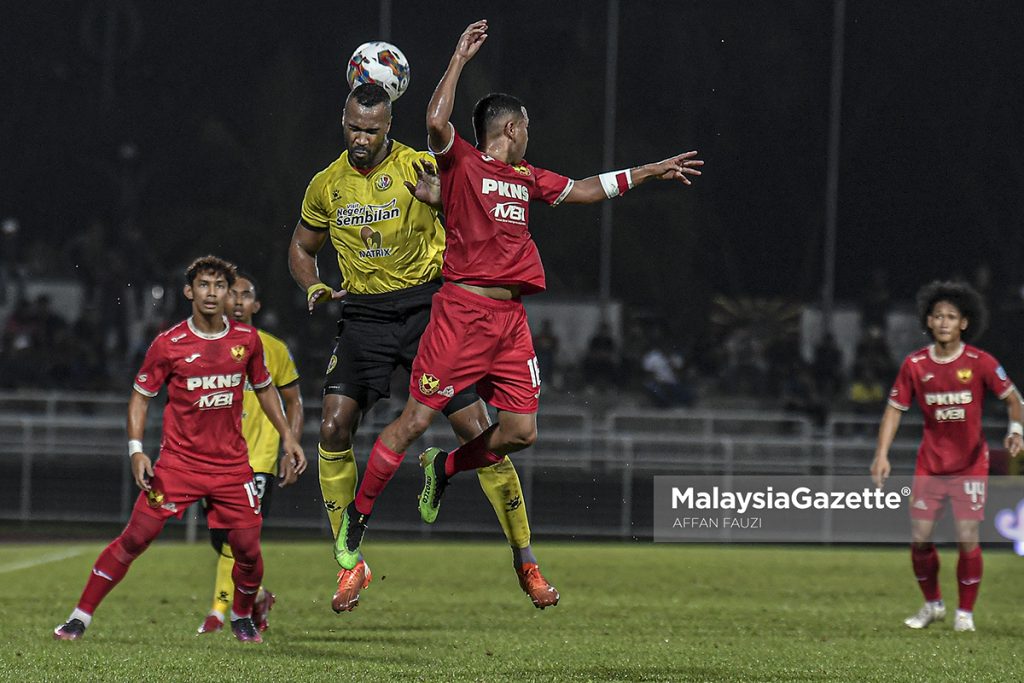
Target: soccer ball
{"x":381,"y":63}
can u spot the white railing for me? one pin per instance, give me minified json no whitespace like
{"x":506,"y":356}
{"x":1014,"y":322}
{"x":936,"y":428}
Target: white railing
{"x":62,"y":458}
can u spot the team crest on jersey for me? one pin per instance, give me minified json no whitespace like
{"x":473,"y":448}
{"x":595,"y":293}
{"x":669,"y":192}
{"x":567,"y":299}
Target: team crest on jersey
{"x":155,"y":498}
{"x":335,"y":195}
{"x":522,"y":169}
{"x":429,"y":384}
{"x":964,"y":375}
{"x":238,"y":353}
{"x":383,"y":182}
{"x":331,"y":364}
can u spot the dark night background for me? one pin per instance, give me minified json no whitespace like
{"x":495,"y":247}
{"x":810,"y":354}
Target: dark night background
{"x":232,"y":107}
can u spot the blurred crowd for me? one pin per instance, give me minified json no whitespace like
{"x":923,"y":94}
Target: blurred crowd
{"x":750,"y":355}
{"x":740,"y":368}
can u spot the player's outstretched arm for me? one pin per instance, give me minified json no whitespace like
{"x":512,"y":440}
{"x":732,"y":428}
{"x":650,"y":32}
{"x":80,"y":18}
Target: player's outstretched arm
{"x":439,"y":111}
{"x":302,"y":265}
{"x":880,"y":466}
{"x":142,"y":466}
{"x":428,"y":184}
{"x":1015,"y":432}
{"x":613,"y":183}
{"x":270,"y":402}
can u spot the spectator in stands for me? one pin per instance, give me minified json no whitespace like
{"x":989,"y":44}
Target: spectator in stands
{"x":746,"y":370}
{"x":634,"y":344}
{"x":545,"y":345}
{"x":601,"y":364}
{"x":23,"y":359}
{"x":663,"y":378}
{"x":873,"y":350}
{"x":800,"y":393}
{"x":867,"y":388}
{"x":47,"y":324}
{"x":80,"y":362}
{"x":874,"y":307}
{"x":828,"y":367}
{"x":781,"y":355}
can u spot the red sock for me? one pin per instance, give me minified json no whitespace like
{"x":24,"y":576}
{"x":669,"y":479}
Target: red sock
{"x":472,"y":455}
{"x":113,"y":562}
{"x":248,"y":570}
{"x":968,"y":578}
{"x":380,"y":468}
{"x":926,"y":571}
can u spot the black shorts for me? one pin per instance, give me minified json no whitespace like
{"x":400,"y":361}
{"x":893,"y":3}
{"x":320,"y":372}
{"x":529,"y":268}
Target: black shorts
{"x":377,"y":333}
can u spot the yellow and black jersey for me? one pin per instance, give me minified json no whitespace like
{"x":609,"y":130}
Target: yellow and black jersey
{"x":385,"y":238}
{"x":259,"y":433}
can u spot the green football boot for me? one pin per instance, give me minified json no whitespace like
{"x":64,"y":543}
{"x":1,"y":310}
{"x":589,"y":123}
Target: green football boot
{"x":350,"y":535}
{"x":434,"y":483}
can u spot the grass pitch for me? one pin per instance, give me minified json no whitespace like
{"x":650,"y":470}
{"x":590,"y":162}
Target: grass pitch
{"x":454,"y":611}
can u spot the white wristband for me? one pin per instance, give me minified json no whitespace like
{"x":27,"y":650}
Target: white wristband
{"x":1015,"y":428}
{"x":615,"y":183}
{"x":134,"y":446}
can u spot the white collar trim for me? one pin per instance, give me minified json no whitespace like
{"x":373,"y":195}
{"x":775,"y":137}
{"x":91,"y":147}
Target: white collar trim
{"x":950,"y":359}
{"x":204,"y":335}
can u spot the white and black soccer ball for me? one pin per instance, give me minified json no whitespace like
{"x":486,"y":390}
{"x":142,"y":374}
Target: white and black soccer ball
{"x":381,"y":63}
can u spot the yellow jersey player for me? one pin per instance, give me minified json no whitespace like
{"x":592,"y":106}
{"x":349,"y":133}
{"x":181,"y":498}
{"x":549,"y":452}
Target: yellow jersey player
{"x":264,"y":444}
{"x":377,"y":203}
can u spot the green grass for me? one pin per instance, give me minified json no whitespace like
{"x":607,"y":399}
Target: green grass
{"x":453,"y":611}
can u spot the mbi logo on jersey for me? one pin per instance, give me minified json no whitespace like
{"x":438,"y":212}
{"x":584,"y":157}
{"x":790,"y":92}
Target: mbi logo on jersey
{"x":950,"y":399}
{"x":509,"y":212}
{"x":220,"y":399}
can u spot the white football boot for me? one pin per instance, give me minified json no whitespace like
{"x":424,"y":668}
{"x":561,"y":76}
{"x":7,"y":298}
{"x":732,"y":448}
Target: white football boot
{"x":932,"y":611}
{"x":964,"y":621}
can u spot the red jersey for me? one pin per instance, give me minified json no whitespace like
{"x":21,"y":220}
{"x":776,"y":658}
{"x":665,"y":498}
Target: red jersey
{"x":487,"y":213}
{"x":205,"y":376}
{"x":950,"y":393}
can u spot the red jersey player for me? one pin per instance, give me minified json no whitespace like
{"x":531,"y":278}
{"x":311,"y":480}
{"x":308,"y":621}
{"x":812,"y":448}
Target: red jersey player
{"x":478,"y":332}
{"x":205,"y":362}
{"x":949,"y":379}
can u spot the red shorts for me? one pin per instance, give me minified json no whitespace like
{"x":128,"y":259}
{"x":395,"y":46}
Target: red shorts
{"x":232,"y":500}
{"x":966,"y":492}
{"x":472,"y":339}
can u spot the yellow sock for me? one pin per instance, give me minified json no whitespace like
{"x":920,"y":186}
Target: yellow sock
{"x":501,"y":486}
{"x":338,"y":479}
{"x":223,"y":586}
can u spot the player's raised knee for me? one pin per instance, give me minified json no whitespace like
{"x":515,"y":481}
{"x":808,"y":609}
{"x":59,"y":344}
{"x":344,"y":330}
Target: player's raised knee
{"x":521,"y":437}
{"x":412,"y":425}
{"x":335,"y":436}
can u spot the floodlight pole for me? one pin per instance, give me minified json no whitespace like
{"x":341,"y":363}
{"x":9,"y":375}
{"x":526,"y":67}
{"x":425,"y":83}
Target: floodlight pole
{"x":385,"y":20}
{"x":610,"y":76}
{"x":828,"y":289}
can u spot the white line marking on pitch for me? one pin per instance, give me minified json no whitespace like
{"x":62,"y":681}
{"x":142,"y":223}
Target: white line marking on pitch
{"x":45,"y":559}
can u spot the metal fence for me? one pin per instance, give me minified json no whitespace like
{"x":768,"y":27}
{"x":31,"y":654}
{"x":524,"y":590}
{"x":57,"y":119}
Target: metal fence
{"x":62,"y":458}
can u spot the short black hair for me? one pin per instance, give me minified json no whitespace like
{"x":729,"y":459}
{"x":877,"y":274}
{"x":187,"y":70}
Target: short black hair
{"x":369,"y":95}
{"x":246,"y":275}
{"x":211,"y":264}
{"x":492,"y":107}
{"x":960,"y":294}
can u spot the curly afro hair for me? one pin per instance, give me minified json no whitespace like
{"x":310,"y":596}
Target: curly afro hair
{"x":960,"y":294}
